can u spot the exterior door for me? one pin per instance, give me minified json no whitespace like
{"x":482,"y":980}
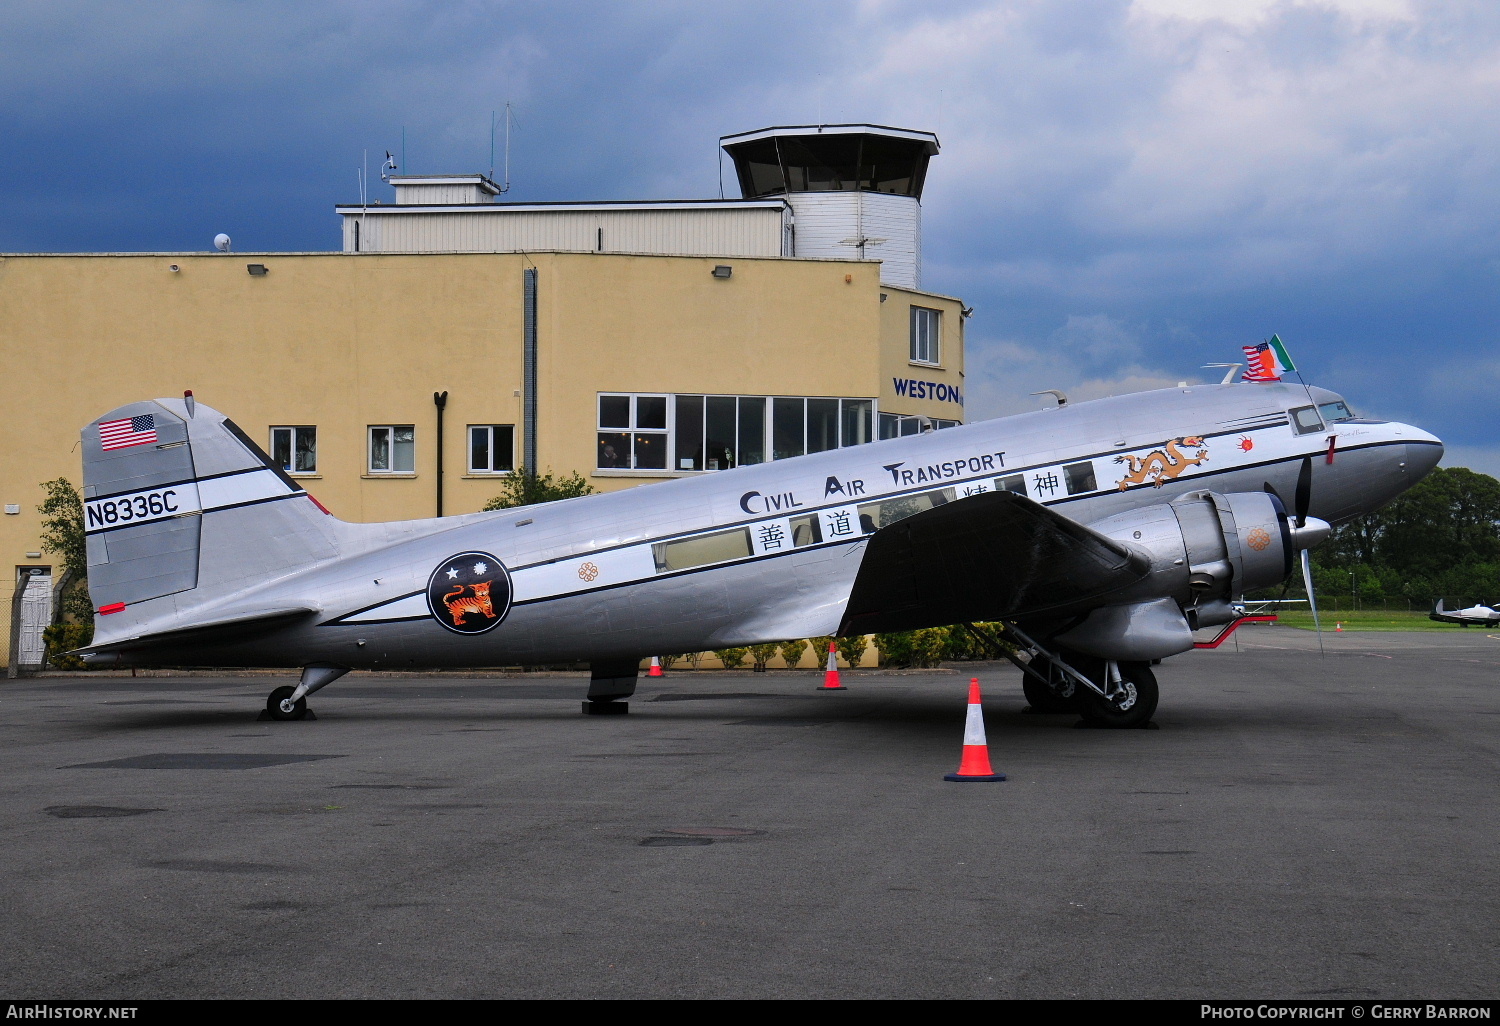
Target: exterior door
{"x":36,"y":614}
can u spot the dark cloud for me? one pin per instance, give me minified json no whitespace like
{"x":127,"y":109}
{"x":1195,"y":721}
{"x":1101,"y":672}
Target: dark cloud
{"x":1127,"y":190}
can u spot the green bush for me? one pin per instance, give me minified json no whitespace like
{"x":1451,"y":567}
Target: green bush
{"x":64,"y":637}
{"x":522,"y":489}
{"x":731,"y":657}
{"x":762,"y":654}
{"x":820,"y":647}
{"x":851,"y":650}
{"x":667,"y":661}
{"x":792,"y":651}
{"x":912,"y":648}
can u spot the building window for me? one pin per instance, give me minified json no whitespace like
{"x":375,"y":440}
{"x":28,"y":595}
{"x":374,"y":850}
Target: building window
{"x":896,"y":425}
{"x":720,"y":432}
{"x":492,"y":448}
{"x":1080,"y":477}
{"x":632,"y":432}
{"x":393,"y":449}
{"x":295,"y":449}
{"x":926,"y":327}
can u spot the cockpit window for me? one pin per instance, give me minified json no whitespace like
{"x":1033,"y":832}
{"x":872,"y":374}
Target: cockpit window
{"x":1305,"y":420}
{"x":1335,"y":411}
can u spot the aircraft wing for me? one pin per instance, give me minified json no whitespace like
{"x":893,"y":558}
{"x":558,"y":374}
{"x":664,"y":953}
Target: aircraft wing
{"x":993,"y":556}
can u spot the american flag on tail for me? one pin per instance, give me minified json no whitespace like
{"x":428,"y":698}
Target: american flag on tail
{"x":122,"y":434}
{"x":1267,"y":361}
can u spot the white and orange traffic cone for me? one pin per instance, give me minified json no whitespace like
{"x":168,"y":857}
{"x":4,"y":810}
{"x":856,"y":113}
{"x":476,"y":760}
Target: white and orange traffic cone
{"x":655,"y":670}
{"x":1338,"y":626}
{"x":976,"y":761}
{"x":831,"y":674}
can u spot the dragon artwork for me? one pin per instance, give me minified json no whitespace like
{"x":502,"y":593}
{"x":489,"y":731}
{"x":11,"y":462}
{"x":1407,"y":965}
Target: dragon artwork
{"x":1164,"y":464}
{"x":461,"y":605}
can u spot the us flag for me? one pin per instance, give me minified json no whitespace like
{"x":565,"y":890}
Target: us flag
{"x":122,"y":434}
{"x":1260,"y":363}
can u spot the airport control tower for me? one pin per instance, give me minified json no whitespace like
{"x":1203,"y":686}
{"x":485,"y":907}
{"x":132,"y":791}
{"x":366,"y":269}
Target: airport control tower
{"x":854,"y":190}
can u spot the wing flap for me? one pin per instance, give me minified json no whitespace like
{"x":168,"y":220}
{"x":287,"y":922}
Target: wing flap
{"x":994,"y":556}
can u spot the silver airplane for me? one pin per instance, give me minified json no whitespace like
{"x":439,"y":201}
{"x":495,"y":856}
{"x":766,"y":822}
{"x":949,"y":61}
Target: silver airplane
{"x":1479,"y":615}
{"x":1099,"y":535}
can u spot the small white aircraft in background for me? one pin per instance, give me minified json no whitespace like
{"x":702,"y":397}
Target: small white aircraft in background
{"x":1478,"y":615}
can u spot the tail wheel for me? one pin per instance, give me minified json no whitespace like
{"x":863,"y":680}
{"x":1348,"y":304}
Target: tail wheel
{"x":1131,"y":706}
{"x":281,"y":694}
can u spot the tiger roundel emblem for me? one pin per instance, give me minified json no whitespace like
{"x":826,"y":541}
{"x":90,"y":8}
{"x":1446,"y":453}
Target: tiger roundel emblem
{"x":469,"y":593}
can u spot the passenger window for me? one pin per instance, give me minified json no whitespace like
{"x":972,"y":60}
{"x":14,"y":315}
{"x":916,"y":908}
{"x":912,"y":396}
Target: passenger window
{"x":1080,"y":477}
{"x":805,"y":531}
{"x":1305,"y":420}
{"x":702,"y":550}
{"x":875,"y":515}
{"x":1013,"y":483}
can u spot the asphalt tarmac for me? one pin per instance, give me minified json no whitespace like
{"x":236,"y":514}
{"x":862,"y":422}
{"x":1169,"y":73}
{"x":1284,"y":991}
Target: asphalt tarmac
{"x":1298,"y":827}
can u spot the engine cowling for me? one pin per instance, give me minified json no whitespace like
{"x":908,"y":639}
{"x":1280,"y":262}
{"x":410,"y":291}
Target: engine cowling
{"x":1206,"y":550}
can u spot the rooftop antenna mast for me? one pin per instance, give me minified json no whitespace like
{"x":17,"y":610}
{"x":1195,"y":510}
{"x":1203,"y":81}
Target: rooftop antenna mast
{"x":505,"y":187}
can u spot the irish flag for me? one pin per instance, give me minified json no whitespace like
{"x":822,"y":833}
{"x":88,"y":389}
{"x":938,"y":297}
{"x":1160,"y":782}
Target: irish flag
{"x":1267,"y":361}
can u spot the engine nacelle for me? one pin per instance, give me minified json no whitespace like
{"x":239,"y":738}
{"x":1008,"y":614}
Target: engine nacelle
{"x":1206,"y":549}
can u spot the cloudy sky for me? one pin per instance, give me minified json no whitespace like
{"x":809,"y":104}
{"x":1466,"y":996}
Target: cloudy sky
{"x":1128,"y":189}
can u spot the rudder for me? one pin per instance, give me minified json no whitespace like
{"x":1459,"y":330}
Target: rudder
{"x":177,"y":498}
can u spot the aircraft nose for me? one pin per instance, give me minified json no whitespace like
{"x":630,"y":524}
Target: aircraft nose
{"x":1423,"y":451}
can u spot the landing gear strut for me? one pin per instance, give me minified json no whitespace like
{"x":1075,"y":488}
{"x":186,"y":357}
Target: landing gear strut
{"x":1105,"y":692}
{"x":610,"y":683}
{"x":288,"y":703}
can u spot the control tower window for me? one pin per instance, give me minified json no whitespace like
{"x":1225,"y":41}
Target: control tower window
{"x":759,"y":169}
{"x":829,"y":164}
{"x":890,"y":165}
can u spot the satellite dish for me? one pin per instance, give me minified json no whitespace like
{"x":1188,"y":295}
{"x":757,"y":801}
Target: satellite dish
{"x":221,"y":242}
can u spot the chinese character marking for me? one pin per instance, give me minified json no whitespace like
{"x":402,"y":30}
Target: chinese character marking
{"x":771,"y":536}
{"x":1045,"y":484}
{"x":975,"y":490}
{"x":839,"y":523}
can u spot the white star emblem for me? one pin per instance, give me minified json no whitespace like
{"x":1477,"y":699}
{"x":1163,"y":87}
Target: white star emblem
{"x":480,"y":568}
{"x":452,"y":573}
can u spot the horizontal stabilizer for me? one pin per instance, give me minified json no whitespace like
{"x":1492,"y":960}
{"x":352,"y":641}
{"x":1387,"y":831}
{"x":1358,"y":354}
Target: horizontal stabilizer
{"x":993,"y":556}
{"x":226,"y":629}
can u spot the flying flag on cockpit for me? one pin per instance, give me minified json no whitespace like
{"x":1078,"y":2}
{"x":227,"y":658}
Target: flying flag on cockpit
{"x":1267,"y":361}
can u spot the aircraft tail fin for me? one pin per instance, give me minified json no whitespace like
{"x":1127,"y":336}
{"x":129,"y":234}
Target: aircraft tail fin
{"x":178,"y":500}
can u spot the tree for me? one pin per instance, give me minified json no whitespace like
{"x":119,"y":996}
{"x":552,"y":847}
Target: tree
{"x":62,"y":535}
{"x":523,"y":489}
{"x":1442,"y":537}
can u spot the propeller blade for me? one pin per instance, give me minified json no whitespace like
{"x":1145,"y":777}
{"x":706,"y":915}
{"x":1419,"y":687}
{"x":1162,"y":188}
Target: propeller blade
{"x":1312,"y":599}
{"x":1303,"y":499}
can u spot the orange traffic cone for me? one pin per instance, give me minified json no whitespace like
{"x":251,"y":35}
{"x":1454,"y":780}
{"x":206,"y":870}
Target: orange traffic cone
{"x":655,"y":670}
{"x":976,"y":761}
{"x":1338,"y":626}
{"x":831,"y":674}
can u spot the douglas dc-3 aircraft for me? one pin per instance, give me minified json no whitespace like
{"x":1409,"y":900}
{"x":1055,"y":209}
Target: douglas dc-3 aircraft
{"x":1101,"y":534}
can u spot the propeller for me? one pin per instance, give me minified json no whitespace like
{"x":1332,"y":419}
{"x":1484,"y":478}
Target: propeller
{"x":1307,"y":532}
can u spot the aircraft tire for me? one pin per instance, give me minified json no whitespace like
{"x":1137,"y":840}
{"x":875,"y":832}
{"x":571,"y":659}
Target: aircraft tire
{"x":273,"y":705}
{"x":1043,"y":699}
{"x":1101,"y":712}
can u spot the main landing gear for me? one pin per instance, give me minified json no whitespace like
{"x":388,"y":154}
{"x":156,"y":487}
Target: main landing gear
{"x":1104,"y":692}
{"x":290,"y":703}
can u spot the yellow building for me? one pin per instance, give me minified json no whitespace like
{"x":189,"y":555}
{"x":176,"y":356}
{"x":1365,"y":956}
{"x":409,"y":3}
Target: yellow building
{"x":624,"y":367}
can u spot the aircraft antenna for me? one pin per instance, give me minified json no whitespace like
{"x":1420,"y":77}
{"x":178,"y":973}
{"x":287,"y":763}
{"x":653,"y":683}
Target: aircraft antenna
{"x":1233,"y":369}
